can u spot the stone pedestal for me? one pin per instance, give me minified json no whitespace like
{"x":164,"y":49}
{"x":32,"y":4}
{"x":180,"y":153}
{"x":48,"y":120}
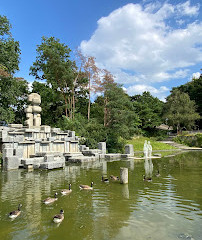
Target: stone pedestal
{"x":129,"y":150}
{"x":102,"y":147}
{"x":124,"y":175}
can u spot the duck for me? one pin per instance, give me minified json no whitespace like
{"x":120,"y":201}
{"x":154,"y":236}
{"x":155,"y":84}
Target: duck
{"x":86,"y":187}
{"x":59,"y":217}
{"x":106,"y":180}
{"x":15,"y":213}
{"x":158,"y":174}
{"x":148,"y":179}
{"x":66,"y":191}
{"x":114,"y":178}
{"x":51,"y":200}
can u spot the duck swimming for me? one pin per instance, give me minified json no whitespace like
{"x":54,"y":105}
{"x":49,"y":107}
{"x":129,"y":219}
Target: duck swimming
{"x":66,"y":191}
{"x":15,"y":213}
{"x":86,"y":187}
{"x":50,"y":200}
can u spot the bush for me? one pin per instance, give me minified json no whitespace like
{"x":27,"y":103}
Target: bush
{"x":190,"y":140}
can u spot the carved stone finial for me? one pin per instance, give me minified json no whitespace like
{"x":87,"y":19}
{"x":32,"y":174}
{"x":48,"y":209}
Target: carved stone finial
{"x":33,"y":111}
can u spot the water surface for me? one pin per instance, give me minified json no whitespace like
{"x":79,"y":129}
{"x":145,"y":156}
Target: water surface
{"x":169,"y":207}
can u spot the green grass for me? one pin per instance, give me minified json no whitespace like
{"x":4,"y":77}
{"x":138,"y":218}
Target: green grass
{"x":138,"y":144}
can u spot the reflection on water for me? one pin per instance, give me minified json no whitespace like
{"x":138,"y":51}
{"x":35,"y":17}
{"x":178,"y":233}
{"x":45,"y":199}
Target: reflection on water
{"x":166,"y":208}
{"x":148,"y":166}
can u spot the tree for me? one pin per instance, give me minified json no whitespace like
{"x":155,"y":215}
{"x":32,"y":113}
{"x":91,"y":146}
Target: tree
{"x":194,"y":89}
{"x":53,"y":64}
{"x":13,"y":99}
{"x":92,"y":74}
{"x":52,"y":103}
{"x":180,"y":111}
{"x":9,"y":49}
{"x":13,"y":91}
{"x":149,"y":110}
{"x":121,"y":121}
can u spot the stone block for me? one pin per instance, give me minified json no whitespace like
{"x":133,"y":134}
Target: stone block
{"x":129,"y":149}
{"x":7,"y":152}
{"x":72,"y":133}
{"x":51,"y":139}
{"x":46,"y":129}
{"x":19,"y":138}
{"x":55,"y":130}
{"x":102,"y":147}
{"x":18,"y":152}
{"x":15,"y":125}
{"x":82,"y":147}
{"x":7,"y":145}
{"x":10,"y":163}
{"x":48,"y":158}
{"x":7,"y":139}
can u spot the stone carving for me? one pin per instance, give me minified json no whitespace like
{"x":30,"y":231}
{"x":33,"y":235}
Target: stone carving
{"x":33,"y":111}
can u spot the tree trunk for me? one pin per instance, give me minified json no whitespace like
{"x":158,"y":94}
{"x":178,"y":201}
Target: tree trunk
{"x":66,"y":114}
{"x":89,"y":101}
{"x":105,"y":112}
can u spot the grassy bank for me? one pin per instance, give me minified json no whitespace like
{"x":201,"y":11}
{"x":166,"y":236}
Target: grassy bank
{"x":138,"y":144}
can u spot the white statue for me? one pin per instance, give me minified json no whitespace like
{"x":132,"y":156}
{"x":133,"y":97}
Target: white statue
{"x":145,"y":149}
{"x":149,"y":147}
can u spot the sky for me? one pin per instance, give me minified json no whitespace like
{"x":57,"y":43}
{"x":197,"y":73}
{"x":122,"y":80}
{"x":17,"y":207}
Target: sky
{"x":147,"y":45}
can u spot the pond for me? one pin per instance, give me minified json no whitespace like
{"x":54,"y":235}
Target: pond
{"x":169,"y":207}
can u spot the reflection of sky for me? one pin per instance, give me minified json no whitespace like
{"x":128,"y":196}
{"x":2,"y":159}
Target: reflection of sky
{"x":162,"y":214}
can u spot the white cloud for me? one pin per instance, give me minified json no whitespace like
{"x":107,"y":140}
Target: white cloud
{"x":139,"y":45}
{"x":186,"y":9}
{"x":196,"y":75}
{"x":140,"y":88}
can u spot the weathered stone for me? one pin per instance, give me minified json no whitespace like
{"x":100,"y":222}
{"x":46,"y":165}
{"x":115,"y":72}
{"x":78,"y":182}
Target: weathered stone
{"x":129,"y":149}
{"x":102,"y":147}
{"x":10,"y":163}
{"x":46,"y":129}
{"x":15,"y":125}
{"x":72,"y":133}
{"x":124,"y":175}
{"x":7,"y":152}
{"x":48,"y":158}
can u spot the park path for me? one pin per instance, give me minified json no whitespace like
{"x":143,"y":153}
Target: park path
{"x":170,"y":141}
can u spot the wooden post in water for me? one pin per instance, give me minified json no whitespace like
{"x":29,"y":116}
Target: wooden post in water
{"x":123,"y":175}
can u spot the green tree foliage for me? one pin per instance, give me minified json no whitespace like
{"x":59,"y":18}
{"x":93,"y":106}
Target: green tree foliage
{"x":13,"y":98}
{"x":180,"y":111}
{"x":149,"y":110}
{"x":121,"y":120}
{"x":194,"y":89}
{"x":9,"y":49}
{"x":52,"y":103}
{"x":13,"y":91}
{"x":53,"y":64}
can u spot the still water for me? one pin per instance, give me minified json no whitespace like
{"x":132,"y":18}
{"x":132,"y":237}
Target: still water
{"x":169,"y":207}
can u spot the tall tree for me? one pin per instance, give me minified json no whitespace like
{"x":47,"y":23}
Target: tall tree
{"x":121,"y":121}
{"x":53,"y":64}
{"x":13,"y":98}
{"x":194,"y":89}
{"x":149,"y":110}
{"x":13,"y":91}
{"x":52,"y":103}
{"x":9,"y":49}
{"x":180,"y":111}
{"x":93,"y":75}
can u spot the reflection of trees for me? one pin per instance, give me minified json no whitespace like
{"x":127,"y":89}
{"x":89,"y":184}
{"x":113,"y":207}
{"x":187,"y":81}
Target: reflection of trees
{"x":101,"y":213}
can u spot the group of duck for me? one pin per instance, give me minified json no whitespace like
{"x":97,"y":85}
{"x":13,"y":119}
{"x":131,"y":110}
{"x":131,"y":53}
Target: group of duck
{"x":58,"y":218}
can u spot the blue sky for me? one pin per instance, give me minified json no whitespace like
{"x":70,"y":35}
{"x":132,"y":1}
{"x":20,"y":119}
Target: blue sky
{"x":148,"y":45}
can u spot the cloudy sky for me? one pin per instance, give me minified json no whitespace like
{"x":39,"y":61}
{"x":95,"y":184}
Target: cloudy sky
{"x":147,"y":45}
